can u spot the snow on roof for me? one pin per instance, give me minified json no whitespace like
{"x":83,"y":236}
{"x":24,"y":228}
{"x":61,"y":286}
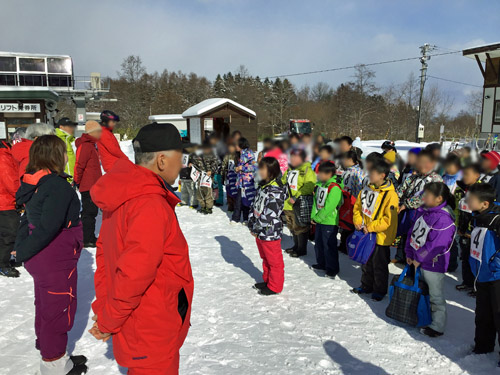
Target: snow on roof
{"x":24,"y":54}
{"x":165,"y":117}
{"x":209,"y":104}
{"x":480,"y":51}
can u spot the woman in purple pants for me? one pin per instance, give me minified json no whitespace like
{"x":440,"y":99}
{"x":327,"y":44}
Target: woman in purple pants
{"x":49,"y":243}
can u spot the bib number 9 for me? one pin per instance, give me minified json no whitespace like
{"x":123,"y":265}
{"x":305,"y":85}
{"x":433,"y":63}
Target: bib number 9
{"x":321,"y":195}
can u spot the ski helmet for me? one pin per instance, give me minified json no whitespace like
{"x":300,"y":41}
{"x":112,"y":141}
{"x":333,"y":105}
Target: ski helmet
{"x":108,"y":115}
{"x":388,"y":145}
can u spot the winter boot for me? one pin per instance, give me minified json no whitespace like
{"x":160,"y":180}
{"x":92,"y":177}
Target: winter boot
{"x":317,"y":267}
{"x":260,"y":286}
{"x":266,"y":291}
{"x":428,"y":331}
{"x":63,"y":366}
{"x":360,"y":290}
{"x":294,"y":247}
{"x":463,"y":288}
{"x":377,"y":297}
{"x":301,"y":251}
{"x":9,"y":272}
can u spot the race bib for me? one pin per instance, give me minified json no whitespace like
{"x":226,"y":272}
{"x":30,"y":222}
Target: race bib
{"x":185,"y":160}
{"x":206,"y":180}
{"x":463,"y":206}
{"x":293,"y":180}
{"x":477,"y":242}
{"x":368,"y":201}
{"x":419,"y":234}
{"x":195,"y":174}
{"x":321,"y":194}
{"x":347,"y":182}
{"x":230,"y":165}
{"x":258,"y":204}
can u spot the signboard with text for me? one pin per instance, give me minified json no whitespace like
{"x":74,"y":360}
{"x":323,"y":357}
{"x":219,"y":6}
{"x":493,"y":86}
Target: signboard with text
{"x":17,"y":108}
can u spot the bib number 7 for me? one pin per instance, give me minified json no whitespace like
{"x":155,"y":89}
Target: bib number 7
{"x":293,"y":180}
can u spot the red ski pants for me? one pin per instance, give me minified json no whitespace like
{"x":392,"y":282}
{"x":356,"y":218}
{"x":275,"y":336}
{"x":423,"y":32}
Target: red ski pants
{"x":272,"y":264}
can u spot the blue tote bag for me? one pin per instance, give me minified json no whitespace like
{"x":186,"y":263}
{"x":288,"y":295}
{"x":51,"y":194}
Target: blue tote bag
{"x":409,"y":299}
{"x":360,"y":246}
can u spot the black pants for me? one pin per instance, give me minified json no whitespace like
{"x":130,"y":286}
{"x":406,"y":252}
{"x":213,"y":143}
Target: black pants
{"x":487,"y":316}
{"x":9,"y":224}
{"x":240,"y":209}
{"x":89,"y":213}
{"x":375,"y":276}
{"x":400,"y":250}
{"x":344,"y":234}
{"x":467,"y":275}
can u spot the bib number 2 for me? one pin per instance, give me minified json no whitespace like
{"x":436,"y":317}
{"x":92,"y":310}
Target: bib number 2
{"x":419,"y":234}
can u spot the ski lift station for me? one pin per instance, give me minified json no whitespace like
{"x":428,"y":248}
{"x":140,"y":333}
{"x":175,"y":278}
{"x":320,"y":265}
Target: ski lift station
{"x":488,"y":60}
{"x":227,"y":116}
{"x":32,"y":84}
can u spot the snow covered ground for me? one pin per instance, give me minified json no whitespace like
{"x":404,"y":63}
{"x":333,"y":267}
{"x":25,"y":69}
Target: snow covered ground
{"x":314,"y":327}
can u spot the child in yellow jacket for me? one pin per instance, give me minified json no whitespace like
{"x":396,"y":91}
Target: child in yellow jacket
{"x":376,"y":211}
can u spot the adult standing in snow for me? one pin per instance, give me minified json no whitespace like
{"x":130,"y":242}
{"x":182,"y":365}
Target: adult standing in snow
{"x":143,"y":282}
{"x":9,"y":218}
{"x":65,"y":129}
{"x":21,"y":149}
{"x":49,"y":242}
{"x":87,"y":172}
{"x":108,"y":146}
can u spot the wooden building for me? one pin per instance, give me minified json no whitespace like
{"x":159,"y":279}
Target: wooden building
{"x":488,"y":55}
{"x":228,"y":116}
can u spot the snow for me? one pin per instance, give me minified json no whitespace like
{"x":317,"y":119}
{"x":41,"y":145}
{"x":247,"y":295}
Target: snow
{"x":316,"y":326}
{"x":209,"y":104}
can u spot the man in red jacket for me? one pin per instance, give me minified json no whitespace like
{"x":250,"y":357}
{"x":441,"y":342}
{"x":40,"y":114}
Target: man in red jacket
{"x":143,"y":281}
{"x":108,"y":146}
{"x":87,"y":172}
{"x":9,"y":218}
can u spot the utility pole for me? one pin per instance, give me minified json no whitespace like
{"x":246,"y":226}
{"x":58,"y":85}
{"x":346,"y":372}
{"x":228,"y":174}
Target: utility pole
{"x":424,"y":50}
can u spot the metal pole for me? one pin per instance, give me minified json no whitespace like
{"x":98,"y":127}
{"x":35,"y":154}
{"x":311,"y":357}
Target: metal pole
{"x":423,"y":76}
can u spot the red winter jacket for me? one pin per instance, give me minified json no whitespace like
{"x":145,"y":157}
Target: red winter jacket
{"x":9,"y":179}
{"x":21,"y":154}
{"x":109,"y":149}
{"x":143,"y":281}
{"x":87,"y":166}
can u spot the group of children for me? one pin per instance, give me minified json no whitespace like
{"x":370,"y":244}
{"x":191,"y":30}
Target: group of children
{"x":429,"y":208}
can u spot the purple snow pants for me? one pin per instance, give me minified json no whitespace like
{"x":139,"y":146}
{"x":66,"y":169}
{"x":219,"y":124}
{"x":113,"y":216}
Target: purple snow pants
{"x":55,"y":275}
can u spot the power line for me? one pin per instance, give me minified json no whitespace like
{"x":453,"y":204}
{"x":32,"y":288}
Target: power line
{"x":452,"y":81}
{"x":354,"y":66}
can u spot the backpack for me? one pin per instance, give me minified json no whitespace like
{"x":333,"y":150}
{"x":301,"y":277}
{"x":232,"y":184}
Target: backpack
{"x":346,"y":208}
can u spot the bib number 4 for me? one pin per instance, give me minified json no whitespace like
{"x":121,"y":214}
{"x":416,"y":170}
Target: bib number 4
{"x":477,"y":242}
{"x":258,"y":205}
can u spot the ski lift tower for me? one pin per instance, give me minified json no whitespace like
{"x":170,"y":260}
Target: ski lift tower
{"x":489,"y":55}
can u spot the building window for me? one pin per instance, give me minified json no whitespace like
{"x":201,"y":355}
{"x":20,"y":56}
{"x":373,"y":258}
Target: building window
{"x":7,"y":79}
{"x":7,"y":64}
{"x":32,"y":80}
{"x":31,"y":65}
{"x":59,"y":65}
{"x":60,"y":81}
{"x":496,"y":118}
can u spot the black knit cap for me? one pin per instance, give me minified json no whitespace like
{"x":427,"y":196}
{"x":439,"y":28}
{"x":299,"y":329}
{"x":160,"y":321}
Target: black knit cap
{"x":159,"y":137}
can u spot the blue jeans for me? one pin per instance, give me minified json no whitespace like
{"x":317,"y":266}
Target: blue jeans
{"x":327,"y":255}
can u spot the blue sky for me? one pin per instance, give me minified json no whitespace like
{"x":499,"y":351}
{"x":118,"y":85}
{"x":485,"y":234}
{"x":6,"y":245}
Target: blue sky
{"x":270,"y":37}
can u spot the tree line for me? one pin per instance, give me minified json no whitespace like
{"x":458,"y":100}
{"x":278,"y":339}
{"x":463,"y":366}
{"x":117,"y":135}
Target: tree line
{"x":358,"y":107}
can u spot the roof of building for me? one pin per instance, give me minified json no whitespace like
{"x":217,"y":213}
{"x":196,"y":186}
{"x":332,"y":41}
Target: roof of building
{"x":493,"y":50}
{"x":28,"y":92}
{"x":24,"y":54}
{"x":161,"y":118}
{"x":211,"y":105}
